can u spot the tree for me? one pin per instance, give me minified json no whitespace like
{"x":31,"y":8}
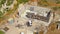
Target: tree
{"x":1,"y":32}
{"x":22,"y":1}
{"x":1,"y":14}
{"x":9,"y":2}
{"x":57,"y":2}
{"x":2,"y":2}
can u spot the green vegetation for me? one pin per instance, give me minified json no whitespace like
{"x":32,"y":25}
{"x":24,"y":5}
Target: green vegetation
{"x":1,"y":14}
{"x":57,"y":1}
{"x":43,"y":2}
{"x":9,"y":2}
{"x":4,"y":11}
{"x":54,"y":4}
{"x":1,"y":32}
{"x":2,"y":2}
{"x":8,"y":10}
{"x":56,"y":8}
{"x":22,"y":1}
